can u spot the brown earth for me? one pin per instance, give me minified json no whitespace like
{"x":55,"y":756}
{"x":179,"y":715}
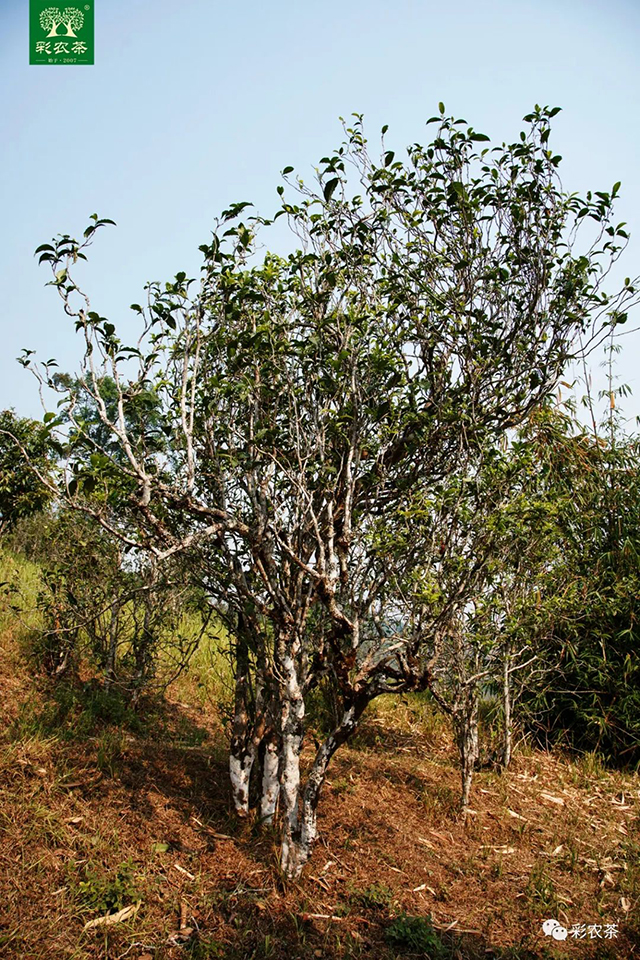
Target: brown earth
{"x":96,"y":818}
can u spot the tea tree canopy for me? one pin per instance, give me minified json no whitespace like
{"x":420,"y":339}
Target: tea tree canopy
{"x":313,"y":403}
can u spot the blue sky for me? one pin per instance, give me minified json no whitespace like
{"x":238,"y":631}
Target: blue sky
{"x":191,"y":106}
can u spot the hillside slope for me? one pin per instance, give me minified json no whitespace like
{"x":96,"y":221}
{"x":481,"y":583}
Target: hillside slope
{"x":100,"y":815}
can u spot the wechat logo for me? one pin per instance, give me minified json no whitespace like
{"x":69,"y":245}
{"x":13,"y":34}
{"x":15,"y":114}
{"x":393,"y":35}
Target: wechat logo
{"x":554,"y":929}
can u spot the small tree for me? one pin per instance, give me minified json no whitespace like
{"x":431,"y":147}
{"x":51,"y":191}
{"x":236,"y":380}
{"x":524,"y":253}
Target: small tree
{"x":489,"y":526}
{"x":311,"y":403}
{"x":50,"y":19}
{"x":586,"y":602}
{"x":118,"y":612}
{"x":73,"y":20}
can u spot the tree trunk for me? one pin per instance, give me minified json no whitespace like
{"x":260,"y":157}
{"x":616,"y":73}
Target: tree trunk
{"x":144,"y":642}
{"x":70,"y":32}
{"x":467,"y":723}
{"x":506,"y":707}
{"x":243,"y":749}
{"x":292,"y":729}
{"x":270,"y":781}
{"x":342,"y":732}
{"x":112,"y":649}
{"x":241,"y":761}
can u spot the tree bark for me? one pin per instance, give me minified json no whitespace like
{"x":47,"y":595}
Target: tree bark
{"x":112,"y":649}
{"x":467,"y":723}
{"x":506,"y":707}
{"x":292,"y":729}
{"x":243,"y":748}
{"x":241,"y":761}
{"x":270,"y":781}
{"x":341,"y":733}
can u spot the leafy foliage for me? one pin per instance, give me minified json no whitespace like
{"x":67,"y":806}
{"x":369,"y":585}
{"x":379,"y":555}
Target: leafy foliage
{"x":588,"y":599}
{"x":114,"y":610}
{"x":24,"y":445}
{"x":103,"y":894}
{"x":413,"y":934}
{"x":332,"y":418}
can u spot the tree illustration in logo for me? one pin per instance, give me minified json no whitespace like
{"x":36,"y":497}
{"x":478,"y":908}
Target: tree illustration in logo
{"x":50,"y":19}
{"x":73,"y":20}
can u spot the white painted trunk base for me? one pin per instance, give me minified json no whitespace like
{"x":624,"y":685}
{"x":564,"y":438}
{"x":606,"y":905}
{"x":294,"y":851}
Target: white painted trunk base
{"x":270,"y":783}
{"x":292,"y":732}
{"x":240,"y":775}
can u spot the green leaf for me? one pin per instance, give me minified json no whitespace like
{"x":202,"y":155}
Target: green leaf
{"x":286,"y":171}
{"x":441,"y":107}
{"x":330,"y":187}
{"x":43,"y":246}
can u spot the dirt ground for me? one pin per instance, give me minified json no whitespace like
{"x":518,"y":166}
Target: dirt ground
{"x":97,"y":818}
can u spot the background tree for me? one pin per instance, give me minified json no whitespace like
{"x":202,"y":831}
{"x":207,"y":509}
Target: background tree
{"x":312,"y":403}
{"x":133,"y":624}
{"x":24,"y":444}
{"x":587,"y":600}
{"x":492,"y":528}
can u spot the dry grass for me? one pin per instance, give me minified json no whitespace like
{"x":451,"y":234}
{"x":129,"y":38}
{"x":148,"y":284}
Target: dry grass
{"x":97,"y":817}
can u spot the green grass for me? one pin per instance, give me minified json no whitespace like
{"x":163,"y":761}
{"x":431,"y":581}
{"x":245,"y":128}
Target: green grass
{"x":21,"y":582}
{"x":541,"y":890}
{"x":377,"y":896}
{"x":101,"y":893}
{"x":209,"y":676}
{"x":416,"y":935}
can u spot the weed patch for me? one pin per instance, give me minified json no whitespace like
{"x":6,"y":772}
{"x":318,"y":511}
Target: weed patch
{"x":411,"y":934}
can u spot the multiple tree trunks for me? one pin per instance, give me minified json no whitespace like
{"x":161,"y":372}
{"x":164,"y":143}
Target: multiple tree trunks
{"x":334,"y":419}
{"x":270,"y":727}
{"x":71,"y":18}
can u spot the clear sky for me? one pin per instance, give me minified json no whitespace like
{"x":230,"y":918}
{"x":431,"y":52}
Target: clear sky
{"x":195,"y":104}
